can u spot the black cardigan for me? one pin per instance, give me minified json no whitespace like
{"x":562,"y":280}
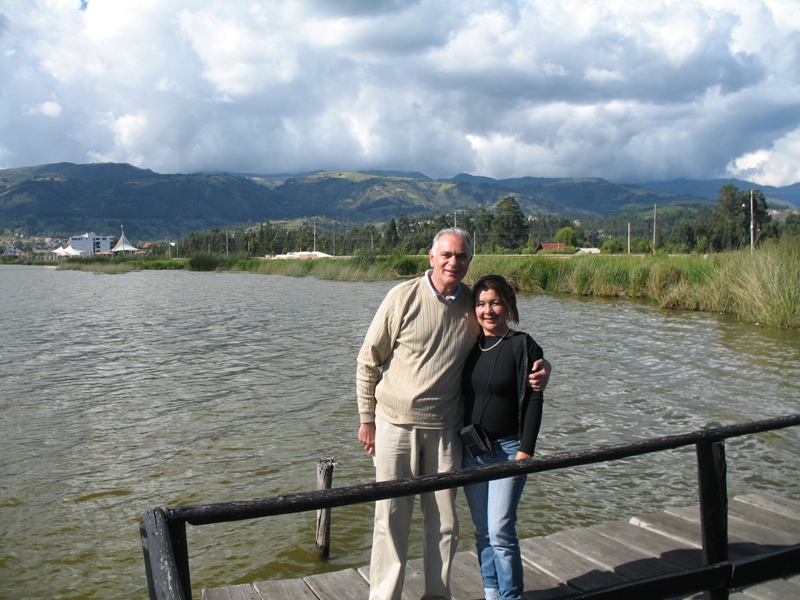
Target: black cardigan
{"x":526,"y":351}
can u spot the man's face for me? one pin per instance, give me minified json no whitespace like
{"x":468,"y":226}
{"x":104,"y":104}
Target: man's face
{"x":450,"y":262}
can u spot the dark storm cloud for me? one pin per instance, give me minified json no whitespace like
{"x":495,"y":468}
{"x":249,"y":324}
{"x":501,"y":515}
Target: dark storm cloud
{"x":625,"y":90}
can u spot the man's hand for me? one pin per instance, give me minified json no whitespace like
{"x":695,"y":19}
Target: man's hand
{"x":540,"y":375}
{"x":366,"y":435}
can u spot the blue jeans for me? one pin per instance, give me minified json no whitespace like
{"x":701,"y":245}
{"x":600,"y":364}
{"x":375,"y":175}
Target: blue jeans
{"x":493,"y":505}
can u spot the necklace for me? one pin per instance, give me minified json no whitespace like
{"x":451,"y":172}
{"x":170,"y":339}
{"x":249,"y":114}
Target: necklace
{"x":497,"y":342}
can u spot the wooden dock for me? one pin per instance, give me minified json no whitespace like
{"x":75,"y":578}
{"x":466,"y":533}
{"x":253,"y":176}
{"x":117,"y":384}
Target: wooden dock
{"x":567,"y":563}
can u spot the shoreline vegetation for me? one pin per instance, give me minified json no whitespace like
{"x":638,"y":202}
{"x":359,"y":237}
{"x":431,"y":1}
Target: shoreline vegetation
{"x":761,"y":287}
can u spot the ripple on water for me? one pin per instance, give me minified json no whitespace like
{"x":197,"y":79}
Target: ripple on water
{"x":203,"y":387}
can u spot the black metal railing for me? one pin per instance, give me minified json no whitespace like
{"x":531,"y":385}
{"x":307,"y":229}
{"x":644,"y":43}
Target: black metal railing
{"x":166,"y":554}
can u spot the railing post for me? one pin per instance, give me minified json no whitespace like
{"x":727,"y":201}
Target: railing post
{"x":163,"y":577}
{"x":151,"y":591}
{"x":180,"y":549}
{"x":324,"y":481}
{"x":711,"y":474}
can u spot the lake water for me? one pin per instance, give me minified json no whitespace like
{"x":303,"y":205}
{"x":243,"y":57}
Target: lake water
{"x":119,"y":393}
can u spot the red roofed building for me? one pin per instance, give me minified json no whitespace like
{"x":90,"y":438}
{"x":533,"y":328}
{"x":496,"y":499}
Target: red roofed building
{"x":550,"y":246}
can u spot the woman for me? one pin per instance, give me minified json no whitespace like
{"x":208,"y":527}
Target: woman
{"x":499,"y":400}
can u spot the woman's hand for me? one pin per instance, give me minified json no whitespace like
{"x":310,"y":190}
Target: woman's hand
{"x":521,"y":456}
{"x":539,"y":375}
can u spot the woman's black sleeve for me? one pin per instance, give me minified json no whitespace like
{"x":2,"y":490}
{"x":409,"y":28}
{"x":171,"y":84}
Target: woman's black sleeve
{"x":532,"y":406}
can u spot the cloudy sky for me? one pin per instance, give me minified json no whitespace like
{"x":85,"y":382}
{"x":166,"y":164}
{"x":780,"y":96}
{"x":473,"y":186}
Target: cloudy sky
{"x":627,"y":90}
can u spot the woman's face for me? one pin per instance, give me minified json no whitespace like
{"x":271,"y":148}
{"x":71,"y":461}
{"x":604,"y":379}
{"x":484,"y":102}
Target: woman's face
{"x":491,"y":313}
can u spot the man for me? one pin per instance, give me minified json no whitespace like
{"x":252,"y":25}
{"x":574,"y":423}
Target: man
{"x":411,"y":410}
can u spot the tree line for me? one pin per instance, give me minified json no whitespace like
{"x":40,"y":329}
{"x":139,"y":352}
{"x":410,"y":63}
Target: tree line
{"x":506,"y":229}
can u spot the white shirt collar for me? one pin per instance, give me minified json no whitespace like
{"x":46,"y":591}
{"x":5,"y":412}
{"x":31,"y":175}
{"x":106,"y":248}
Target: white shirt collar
{"x":435,"y":292}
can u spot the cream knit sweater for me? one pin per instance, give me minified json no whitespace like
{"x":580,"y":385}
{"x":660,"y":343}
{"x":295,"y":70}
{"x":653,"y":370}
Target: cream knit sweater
{"x":409,"y":367}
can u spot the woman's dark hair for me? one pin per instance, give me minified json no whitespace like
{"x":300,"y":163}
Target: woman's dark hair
{"x":504,"y":289}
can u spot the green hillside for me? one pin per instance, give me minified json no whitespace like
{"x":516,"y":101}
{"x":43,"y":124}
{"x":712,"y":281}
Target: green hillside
{"x":65,"y":199}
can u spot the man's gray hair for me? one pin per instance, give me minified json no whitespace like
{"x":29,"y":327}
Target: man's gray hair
{"x":456,"y":231}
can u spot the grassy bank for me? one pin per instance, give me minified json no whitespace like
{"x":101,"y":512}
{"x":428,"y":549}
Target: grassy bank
{"x":763,"y":287}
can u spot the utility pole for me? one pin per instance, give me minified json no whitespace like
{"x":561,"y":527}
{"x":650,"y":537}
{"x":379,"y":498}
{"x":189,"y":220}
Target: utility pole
{"x":629,"y":238}
{"x":655,"y":226}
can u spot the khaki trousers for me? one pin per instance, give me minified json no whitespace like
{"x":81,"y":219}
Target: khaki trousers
{"x":404,"y":451}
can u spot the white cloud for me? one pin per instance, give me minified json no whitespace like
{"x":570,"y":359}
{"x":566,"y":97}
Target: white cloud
{"x":242,"y":51}
{"x":629,"y":90}
{"x":774,"y":166}
{"x":48,"y":109}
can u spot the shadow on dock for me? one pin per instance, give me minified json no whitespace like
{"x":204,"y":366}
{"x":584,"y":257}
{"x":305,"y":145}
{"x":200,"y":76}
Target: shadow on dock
{"x":579,"y":562}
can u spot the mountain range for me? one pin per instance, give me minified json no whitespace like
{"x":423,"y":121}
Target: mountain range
{"x":67,"y":199}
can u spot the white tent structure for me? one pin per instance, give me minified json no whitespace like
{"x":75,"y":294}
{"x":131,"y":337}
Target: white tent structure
{"x":68,"y":251}
{"x":123,"y":245}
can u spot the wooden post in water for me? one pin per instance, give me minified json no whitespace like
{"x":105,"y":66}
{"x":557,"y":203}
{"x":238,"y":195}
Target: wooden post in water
{"x":324,"y":480}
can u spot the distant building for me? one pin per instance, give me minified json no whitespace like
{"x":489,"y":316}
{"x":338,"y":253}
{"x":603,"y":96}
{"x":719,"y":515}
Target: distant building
{"x":13,"y":252}
{"x":588,"y":251}
{"x":550,"y":246}
{"x":91,"y":243}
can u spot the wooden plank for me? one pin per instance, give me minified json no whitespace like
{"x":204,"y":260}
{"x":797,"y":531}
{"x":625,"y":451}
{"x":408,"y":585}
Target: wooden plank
{"x":683,"y":555}
{"x":338,"y":585}
{"x":559,"y":562}
{"x":743,"y":530}
{"x":413,"y":586}
{"x":623,"y":560}
{"x":778,"y":504}
{"x":284,"y":589}
{"x":245,"y":591}
{"x":465,"y":577}
{"x":671,"y":526}
{"x":685,"y":525}
{"x":538,"y":584}
{"x":543,"y":586}
{"x":768,"y":518}
{"x":466,"y":580}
